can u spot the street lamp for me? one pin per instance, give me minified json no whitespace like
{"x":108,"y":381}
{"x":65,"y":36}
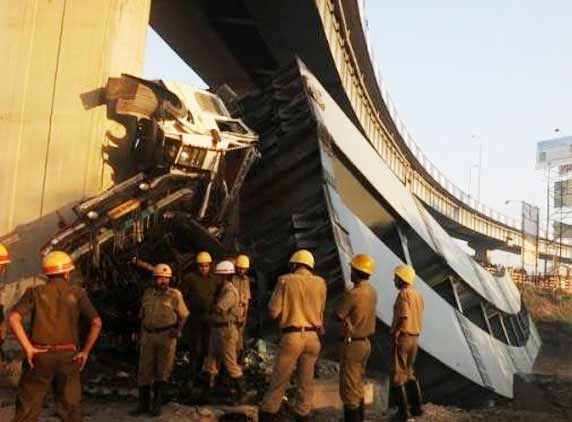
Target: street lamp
{"x":470,"y":175}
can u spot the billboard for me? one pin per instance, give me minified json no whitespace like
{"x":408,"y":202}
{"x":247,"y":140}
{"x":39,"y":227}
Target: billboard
{"x":554,"y":152}
{"x":530,"y":227}
{"x":562,"y":230}
{"x":563,"y":193}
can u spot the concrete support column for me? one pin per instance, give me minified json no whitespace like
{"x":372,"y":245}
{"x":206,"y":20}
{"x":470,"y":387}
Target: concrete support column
{"x":482,"y":252}
{"x":56,"y":138}
{"x":483,"y":255}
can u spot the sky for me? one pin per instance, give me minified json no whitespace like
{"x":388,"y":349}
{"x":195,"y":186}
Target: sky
{"x":496,"y":72}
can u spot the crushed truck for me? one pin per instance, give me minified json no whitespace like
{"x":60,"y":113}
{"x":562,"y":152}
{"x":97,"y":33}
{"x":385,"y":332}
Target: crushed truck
{"x":192,"y":157}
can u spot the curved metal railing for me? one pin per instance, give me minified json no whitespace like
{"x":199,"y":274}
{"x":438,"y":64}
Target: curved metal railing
{"x":399,"y":149}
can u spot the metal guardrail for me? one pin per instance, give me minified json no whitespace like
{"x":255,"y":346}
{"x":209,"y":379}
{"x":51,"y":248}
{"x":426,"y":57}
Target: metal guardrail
{"x":440,"y":193}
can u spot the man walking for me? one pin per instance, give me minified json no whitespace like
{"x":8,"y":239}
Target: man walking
{"x":405,"y":330}
{"x":298,"y":303}
{"x":163,"y":314}
{"x":51,"y":350}
{"x":357,"y":313}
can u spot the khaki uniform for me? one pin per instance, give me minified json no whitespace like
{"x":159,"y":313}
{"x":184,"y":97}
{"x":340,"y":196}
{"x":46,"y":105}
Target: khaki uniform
{"x":55,"y":308}
{"x":198,"y":293}
{"x":242,"y":284}
{"x":298,"y":302}
{"x":224,"y":333}
{"x":408,"y":319}
{"x":160,"y":313}
{"x":357,"y":309}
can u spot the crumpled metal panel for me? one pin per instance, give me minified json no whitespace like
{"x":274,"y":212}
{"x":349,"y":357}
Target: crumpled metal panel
{"x":364,"y":157}
{"x":442,"y":337}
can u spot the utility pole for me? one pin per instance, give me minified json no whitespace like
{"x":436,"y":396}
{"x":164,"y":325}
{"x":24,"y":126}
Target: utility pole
{"x":480,"y":165}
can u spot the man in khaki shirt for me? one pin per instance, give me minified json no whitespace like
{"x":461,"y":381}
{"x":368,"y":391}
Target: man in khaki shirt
{"x":357,"y":313}
{"x":224,"y":333}
{"x":51,"y":348}
{"x":297,"y":303}
{"x":405,"y":329}
{"x":242,"y":283}
{"x":163,"y":315}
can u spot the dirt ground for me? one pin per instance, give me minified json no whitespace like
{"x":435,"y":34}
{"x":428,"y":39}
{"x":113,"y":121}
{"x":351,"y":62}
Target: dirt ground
{"x":545,"y":395}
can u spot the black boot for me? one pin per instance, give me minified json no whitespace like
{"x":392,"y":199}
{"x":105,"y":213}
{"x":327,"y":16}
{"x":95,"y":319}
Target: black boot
{"x":362,"y":411}
{"x":208,"y":385}
{"x":144,"y":401}
{"x":303,"y":418}
{"x":403,"y":403}
{"x":237,"y":384}
{"x":351,"y":415}
{"x":415,"y":397}
{"x":266,"y":417}
{"x":157,"y":398}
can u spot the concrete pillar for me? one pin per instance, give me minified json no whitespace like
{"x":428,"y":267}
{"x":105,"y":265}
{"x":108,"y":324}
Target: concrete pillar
{"x":482,"y":255}
{"x":56,"y":138}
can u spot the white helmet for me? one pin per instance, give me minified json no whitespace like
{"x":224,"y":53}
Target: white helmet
{"x":224,"y":268}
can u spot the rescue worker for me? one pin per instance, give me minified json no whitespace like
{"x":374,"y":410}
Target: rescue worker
{"x":198,"y":290}
{"x":51,"y":348}
{"x":405,"y":330}
{"x":4,"y":261}
{"x":242,"y":283}
{"x":224,"y":333}
{"x":357,"y":313}
{"x":298,"y":303}
{"x":163,"y":315}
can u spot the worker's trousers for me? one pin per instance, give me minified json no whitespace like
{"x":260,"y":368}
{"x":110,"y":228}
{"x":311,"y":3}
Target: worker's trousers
{"x":404,"y":355}
{"x":156,"y":357}
{"x":50,"y":368}
{"x":353,"y":361}
{"x":223,"y":351}
{"x":300,"y":351}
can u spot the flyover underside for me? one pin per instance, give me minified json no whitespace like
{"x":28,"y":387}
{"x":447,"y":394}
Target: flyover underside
{"x":303,"y":194}
{"x":248,"y":40}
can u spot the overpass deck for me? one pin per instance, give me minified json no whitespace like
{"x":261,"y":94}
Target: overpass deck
{"x":459,"y":212}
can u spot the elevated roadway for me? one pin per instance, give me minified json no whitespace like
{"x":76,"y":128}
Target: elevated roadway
{"x":248,"y":40}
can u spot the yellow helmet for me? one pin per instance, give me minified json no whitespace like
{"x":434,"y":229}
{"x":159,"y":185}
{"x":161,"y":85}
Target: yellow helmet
{"x":302,"y":256}
{"x":405,"y":273}
{"x":57,"y":262}
{"x":242,"y":261}
{"x":4,"y":255}
{"x":363,"y":263}
{"x":204,"y":258}
{"x":162,"y":270}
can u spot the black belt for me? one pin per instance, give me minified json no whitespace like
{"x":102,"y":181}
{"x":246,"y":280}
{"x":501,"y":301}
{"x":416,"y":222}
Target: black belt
{"x":159,"y":329}
{"x":298,"y":329}
{"x":348,"y":340}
